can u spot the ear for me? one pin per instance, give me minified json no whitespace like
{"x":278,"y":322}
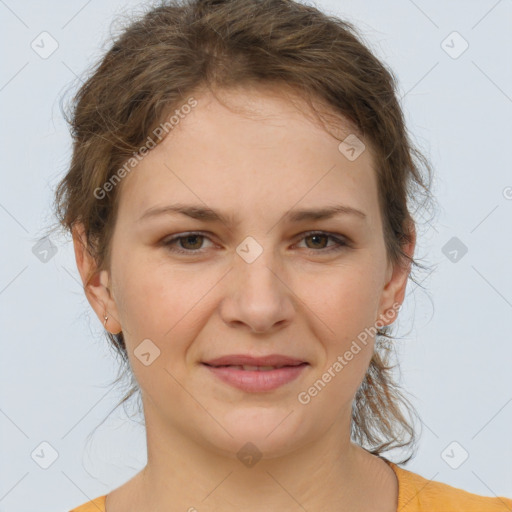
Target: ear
{"x":396,"y":282}
{"x":96,"y":283}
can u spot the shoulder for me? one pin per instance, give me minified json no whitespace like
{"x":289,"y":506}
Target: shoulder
{"x":416,"y":493}
{"x":95,"y":505}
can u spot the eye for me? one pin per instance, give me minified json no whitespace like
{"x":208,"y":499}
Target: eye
{"x":318,"y":236}
{"x":192,"y":240}
{"x":191,"y":243}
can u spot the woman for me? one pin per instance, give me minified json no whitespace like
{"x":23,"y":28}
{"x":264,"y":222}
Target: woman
{"x":238,"y":198}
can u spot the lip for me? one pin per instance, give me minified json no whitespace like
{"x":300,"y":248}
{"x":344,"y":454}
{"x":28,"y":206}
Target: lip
{"x":245,"y":359}
{"x":256,"y":381}
{"x":227,"y":369}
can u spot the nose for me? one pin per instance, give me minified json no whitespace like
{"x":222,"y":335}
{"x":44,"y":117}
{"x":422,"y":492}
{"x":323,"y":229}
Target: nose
{"x":257,"y":294}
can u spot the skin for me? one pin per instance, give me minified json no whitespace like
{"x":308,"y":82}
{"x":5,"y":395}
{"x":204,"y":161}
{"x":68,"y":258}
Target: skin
{"x":295,"y":299}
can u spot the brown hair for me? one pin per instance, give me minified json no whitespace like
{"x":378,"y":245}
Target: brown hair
{"x":176,"y":48}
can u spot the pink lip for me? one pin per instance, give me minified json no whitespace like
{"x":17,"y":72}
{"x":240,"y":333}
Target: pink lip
{"x":243,"y":359}
{"x":255,"y":381}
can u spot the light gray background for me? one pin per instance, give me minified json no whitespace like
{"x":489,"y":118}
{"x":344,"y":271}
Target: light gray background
{"x":456,"y":355}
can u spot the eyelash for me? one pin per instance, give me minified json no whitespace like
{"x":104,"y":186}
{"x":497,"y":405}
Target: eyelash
{"x":169,"y":243}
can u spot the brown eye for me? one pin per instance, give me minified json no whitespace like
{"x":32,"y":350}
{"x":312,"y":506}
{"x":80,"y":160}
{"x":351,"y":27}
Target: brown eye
{"x":189,"y":243}
{"x":319,"y":240}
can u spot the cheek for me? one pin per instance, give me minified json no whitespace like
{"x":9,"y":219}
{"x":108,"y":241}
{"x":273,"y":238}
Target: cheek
{"x":348,"y":346}
{"x":160,"y":302}
{"x":346,"y":306}
{"x":163,"y":307}
{"x":346,"y":300}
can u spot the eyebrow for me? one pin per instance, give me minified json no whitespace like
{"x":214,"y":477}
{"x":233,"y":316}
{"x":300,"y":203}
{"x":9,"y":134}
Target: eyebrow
{"x":206,"y":214}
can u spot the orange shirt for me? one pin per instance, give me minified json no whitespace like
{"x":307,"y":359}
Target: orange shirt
{"x":415,"y":494}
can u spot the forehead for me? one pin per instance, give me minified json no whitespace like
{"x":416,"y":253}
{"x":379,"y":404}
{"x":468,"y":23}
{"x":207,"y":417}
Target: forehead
{"x":251,"y":148}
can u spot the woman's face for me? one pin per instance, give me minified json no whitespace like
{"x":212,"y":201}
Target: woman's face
{"x":255,"y":283}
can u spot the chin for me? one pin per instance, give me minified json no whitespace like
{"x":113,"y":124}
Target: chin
{"x":261,"y":432}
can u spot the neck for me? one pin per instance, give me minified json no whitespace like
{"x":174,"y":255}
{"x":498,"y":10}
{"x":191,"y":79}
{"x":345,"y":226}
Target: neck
{"x":328,"y":474}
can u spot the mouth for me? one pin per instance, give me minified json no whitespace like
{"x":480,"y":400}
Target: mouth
{"x":251,"y":377}
{"x":244,"y":360}
{"x":252,"y":368}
